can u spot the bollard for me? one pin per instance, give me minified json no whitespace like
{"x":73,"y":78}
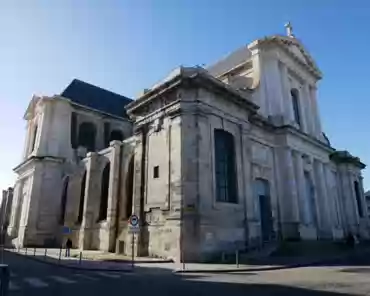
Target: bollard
{"x":4,"y":279}
{"x":45,"y":253}
{"x":34,"y":251}
{"x":223,"y":259}
{"x":60,"y":254}
{"x":19,"y":248}
{"x":80,"y":258}
{"x":237,"y":258}
{"x":26,"y":251}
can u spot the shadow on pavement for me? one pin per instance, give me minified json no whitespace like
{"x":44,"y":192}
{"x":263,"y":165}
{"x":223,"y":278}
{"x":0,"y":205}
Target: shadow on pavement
{"x":185,"y":284}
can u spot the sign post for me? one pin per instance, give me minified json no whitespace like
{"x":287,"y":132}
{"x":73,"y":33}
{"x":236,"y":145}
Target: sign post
{"x":133,"y":228}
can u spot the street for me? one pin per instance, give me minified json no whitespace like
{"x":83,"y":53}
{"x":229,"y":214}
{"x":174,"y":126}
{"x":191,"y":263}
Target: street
{"x":29,"y":277}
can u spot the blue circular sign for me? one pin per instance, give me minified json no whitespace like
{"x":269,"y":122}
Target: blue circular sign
{"x":134,"y":220}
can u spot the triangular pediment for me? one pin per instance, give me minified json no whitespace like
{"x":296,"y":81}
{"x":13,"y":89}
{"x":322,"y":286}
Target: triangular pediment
{"x":296,"y":49}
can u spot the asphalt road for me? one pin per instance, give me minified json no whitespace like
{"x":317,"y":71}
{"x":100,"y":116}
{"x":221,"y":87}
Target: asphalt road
{"x":29,"y":277}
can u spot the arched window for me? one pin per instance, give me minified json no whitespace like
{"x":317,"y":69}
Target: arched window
{"x":104,"y":193}
{"x":86,"y":136}
{"x":82,"y":199}
{"x":34,"y":138}
{"x":116,"y":135}
{"x":358,"y":199}
{"x":63,"y":201}
{"x":295,"y":102}
{"x":226,"y":190}
{"x":129,"y":187}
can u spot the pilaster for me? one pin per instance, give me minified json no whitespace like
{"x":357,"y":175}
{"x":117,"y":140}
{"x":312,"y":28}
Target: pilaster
{"x":91,"y":195}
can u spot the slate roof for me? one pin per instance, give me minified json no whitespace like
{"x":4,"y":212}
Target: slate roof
{"x":94,"y":97}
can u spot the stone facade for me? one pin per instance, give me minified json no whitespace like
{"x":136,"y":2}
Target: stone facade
{"x":277,"y":176}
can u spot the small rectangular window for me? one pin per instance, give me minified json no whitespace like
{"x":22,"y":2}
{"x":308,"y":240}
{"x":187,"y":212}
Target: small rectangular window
{"x":156,"y":172}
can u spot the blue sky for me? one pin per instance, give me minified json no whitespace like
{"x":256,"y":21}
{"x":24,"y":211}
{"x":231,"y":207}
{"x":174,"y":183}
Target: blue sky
{"x":126,"y":46}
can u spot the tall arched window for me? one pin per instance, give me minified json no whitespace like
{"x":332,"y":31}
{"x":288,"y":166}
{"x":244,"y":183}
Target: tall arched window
{"x":358,"y":199}
{"x":86,"y":136}
{"x":82,"y":199}
{"x":63,"y":201}
{"x":116,"y":135}
{"x":103,"y":209}
{"x":295,"y":102}
{"x":226,"y":190}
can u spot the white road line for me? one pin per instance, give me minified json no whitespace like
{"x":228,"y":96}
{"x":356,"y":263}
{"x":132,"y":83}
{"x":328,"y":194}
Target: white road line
{"x":109,"y":275}
{"x":62,"y":280}
{"x":13,"y":287}
{"x":84,"y":276}
{"x":36,"y":282}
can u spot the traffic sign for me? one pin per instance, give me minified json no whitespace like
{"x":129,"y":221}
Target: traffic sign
{"x":133,"y":229}
{"x":134,"y":220}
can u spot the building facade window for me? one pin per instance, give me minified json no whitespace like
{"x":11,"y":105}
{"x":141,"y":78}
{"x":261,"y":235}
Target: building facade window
{"x":295,"y":102}
{"x":116,"y":135}
{"x":156,"y":172}
{"x":103,"y":209}
{"x":226,"y":186}
{"x":86,"y":136}
{"x":358,"y":199}
{"x":82,"y":199}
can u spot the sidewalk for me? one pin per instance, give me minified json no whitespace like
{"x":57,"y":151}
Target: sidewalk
{"x":98,"y":260}
{"x":57,"y":257}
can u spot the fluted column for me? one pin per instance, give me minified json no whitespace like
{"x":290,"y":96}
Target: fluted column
{"x":301,"y":187}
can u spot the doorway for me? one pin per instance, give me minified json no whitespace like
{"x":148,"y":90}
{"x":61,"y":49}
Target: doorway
{"x":264,"y":203}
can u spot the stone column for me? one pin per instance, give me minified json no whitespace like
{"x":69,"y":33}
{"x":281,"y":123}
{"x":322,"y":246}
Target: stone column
{"x":27,"y":140}
{"x":115,"y":165}
{"x":289,"y":199}
{"x":315,"y":113}
{"x":330,"y":197}
{"x":308,"y":110}
{"x":91,"y":197}
{"x":324,"y":214}
{"x":289,"y":113}
{"x":363,"y":200}
{"x":299,"y":172}
{"x":13,"y":224}
{"x":247,"y":182}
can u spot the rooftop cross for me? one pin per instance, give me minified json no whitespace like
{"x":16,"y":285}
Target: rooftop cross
{"x":289,"y":29}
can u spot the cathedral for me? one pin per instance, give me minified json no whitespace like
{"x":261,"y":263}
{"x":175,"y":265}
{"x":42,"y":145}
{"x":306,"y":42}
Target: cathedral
{"x":216,"y":159}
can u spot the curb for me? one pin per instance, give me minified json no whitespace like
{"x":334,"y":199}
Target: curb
{"x":70,"y":267}
{"x":271,"y":268}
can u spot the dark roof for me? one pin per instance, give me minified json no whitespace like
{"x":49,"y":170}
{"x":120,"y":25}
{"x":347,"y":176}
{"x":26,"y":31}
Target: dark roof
{"x":94,"y":97}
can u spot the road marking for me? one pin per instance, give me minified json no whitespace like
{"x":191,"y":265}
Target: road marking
{"x":35,"y":282}
{"x":84,"y":276}
{"x":13,"y":287}
{"x":62,"y":280}
{"x":109,"y":275}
